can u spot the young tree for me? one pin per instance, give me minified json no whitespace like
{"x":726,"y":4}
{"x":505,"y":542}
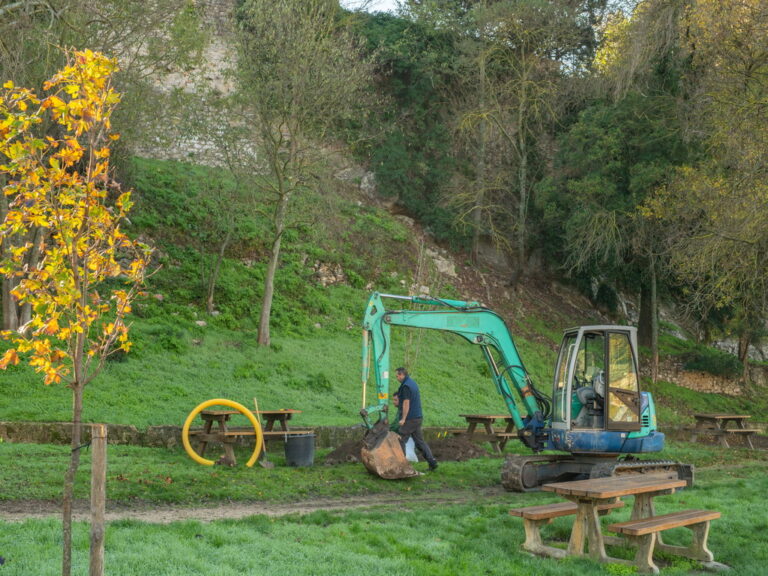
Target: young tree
{"x":150,"y":38}
{"x":58,"y":186}
{"x":302,"y":73}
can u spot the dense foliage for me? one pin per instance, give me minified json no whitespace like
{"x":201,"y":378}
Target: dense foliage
{"x":575,"y":137}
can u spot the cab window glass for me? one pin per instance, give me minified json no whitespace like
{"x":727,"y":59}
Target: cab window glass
{"x":560,"y":403}
{"x":623,"y":382}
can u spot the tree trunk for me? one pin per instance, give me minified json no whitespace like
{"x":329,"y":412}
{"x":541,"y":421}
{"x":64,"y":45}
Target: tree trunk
{"x":69,"y":478}
{"x":745,"y":339}
{"x":269,"y":279}
{"x":654,"y":325}
{"x":644,"y":322}
{"x":10,"y":314}
{"x":477,"y":223}
{"x":214,"y":277}
{"x":522,"y":209}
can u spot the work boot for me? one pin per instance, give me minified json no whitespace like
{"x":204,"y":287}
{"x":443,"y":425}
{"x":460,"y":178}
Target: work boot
{"x":433,"y":466}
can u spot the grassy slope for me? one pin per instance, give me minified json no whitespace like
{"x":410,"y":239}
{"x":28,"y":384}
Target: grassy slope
{"x":314,"y":364}
{"x":320,"y":375}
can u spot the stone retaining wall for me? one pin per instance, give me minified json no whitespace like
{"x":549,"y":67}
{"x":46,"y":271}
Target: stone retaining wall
{"x":162,"y":436}
{"x":673,"y":372}
{"x":158,"y":436}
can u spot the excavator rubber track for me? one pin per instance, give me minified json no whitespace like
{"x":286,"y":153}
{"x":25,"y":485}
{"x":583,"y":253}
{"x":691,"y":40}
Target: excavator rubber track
{"x":527,"y":473}
{"x":623,"y":467}
{"x":522,"y":473}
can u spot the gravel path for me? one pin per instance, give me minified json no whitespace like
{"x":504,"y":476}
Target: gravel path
{"x":20,"y":510}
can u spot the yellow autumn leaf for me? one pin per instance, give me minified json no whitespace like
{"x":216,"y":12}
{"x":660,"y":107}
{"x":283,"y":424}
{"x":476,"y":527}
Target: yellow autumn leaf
{"x":52,"y":327}
{"x":10,"y":357}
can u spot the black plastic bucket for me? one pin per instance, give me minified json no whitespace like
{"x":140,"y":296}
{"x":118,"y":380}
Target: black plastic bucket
{"x":300,"y":449}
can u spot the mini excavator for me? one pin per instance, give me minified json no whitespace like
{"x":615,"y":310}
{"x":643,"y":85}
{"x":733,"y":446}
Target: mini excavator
{"x":596,"y":420}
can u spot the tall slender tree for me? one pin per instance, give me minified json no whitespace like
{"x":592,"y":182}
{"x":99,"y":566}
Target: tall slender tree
{"x":301,"y":73}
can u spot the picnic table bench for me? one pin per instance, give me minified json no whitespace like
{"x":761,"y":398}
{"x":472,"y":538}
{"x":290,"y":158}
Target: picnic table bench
{"x":717,"y":425}
{"x":497,"y":439}
{"x":596,"y":496}
{"x":227,"y":436}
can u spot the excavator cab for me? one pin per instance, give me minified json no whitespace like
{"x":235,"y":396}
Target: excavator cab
{"x":596,"y":388}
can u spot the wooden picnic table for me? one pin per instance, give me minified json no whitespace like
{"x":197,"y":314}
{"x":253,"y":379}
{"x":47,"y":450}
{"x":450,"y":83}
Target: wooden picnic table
{"x":498,"y":439}
{"x":590,"y":495}
{"x":718,"y":425}
{"x":226,"y":436}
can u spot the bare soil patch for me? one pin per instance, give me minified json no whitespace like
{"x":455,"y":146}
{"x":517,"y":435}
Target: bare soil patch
{"x":456,"y":449}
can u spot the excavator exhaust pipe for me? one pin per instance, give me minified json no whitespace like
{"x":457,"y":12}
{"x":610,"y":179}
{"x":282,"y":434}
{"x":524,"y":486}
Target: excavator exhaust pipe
{"x":382,"y":454}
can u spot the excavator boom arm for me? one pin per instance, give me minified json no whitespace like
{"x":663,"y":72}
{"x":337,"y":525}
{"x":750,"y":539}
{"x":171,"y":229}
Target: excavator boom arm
{"x":473,"y":322}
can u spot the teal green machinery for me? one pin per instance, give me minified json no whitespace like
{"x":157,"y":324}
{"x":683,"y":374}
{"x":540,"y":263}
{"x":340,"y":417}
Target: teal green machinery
{"x":596,"y":418}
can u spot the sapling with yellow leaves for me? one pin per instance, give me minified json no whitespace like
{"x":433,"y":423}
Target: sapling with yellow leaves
{"x":63,"y":249}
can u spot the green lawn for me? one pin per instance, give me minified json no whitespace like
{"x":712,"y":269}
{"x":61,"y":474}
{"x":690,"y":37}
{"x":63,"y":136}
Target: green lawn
{"x":475,"y":538}
{"x":418,"y":531}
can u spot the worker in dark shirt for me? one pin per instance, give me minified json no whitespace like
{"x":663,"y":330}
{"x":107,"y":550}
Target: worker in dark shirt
{"x":411,"y":416}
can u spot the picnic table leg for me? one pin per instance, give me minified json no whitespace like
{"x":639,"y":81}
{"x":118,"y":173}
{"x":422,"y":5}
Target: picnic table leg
{"x":503,"y":442}
{"x":740,"y":423}
{"x":723,"y":439}
{"x":229,"y":454}
{"x":644,"y":555}
{"x":586,"y":526}
{"x":698,"y":549}
{"x":228,"y":459}
{"x":644,"y":508}
{"x":490,"y":431}
{"x":594,"y":534}
{"x":201,"y":446}
{"x":533,"y":541}
{"x":578,"y":532}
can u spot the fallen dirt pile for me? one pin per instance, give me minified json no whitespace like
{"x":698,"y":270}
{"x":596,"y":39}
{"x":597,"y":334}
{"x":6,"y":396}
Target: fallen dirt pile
{"x":444,"y":449}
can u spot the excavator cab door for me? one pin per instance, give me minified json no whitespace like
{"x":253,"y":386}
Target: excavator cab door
{"x":596,"y":383}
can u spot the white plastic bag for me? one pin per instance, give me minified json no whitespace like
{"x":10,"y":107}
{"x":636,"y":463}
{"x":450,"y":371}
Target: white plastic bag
{"x":410,"y":451}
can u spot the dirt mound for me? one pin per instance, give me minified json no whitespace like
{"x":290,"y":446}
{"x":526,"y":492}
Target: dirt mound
{"x":455,"y":449}
{"x":347,"y":452}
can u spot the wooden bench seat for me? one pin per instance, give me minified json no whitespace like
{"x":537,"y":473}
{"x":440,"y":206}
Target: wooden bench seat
{"x":234,"y":433}
{"x":746,"y":433}
{"x":534,"y":517}
{"x":643,"y":534}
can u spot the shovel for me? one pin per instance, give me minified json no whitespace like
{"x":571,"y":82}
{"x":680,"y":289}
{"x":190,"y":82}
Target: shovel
{"x":263,"y":461}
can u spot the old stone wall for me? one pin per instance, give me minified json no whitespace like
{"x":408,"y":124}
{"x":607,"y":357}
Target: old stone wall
{"x":161,"y":436}
{"x":183,"y":132}
{"x":672,"y":371}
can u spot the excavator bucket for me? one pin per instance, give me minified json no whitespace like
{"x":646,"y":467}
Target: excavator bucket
{"x":383,"y":455}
